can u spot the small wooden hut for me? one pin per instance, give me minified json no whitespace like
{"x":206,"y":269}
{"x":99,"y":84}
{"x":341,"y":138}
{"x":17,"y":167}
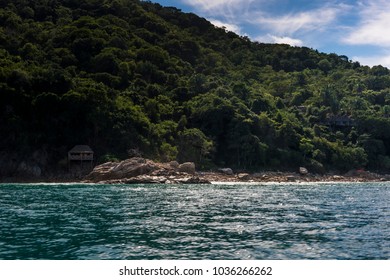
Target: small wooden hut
{"x":82,"y":154}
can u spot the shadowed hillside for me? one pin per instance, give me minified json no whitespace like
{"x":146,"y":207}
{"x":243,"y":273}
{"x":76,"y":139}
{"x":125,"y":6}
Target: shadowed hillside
{"x":129,"y":77}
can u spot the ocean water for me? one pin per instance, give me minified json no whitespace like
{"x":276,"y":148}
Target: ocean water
{"x":271,"y":221}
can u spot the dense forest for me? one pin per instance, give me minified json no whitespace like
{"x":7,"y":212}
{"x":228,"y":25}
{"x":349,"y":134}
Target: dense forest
{"x":130,"y":77}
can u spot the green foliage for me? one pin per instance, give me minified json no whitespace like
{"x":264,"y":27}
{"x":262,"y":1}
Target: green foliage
{"x":133,"y":75}
{"x":108,"y":158}
{"x":194,"y":146}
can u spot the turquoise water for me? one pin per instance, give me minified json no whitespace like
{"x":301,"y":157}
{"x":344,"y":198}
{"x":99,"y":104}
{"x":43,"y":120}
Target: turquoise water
{"x":313,"y":221}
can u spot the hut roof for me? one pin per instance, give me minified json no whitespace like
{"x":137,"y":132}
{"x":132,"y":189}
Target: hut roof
{"x":81,"y":149}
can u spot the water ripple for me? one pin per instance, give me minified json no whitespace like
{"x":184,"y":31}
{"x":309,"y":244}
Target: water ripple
{"x":326,"y":221}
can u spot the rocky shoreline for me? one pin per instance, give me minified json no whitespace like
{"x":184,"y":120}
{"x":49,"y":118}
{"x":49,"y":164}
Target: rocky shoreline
{"x":291,"y":177}
{"x":143,"y":171}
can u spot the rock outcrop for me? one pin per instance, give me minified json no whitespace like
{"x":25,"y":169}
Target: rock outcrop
{"x":187,"y":167}
{"x":303,"y":171}
{"x":227,"y":171}
{"x":143,"y":171}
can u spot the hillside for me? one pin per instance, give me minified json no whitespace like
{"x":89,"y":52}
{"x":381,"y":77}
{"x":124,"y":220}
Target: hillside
{"x":129,"y":77}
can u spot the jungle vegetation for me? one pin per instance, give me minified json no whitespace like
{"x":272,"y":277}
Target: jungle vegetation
{"x":131,"y":77}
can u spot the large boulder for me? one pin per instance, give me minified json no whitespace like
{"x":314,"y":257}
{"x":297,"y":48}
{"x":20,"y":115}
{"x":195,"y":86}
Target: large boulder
{"x":187,"y":167}
{"x":243,"y":176}
{"x":226,"y":171}
{"x":125,"y":169}
{"x":303,"y":171}
{"x":174,"y":164}
{"x":141,"y":170}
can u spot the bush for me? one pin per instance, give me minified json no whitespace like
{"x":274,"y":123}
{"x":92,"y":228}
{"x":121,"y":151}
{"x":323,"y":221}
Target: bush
{"x":108,"y":158}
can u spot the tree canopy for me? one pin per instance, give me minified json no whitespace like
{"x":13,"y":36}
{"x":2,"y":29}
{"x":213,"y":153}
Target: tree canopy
{"x":128,"y":75}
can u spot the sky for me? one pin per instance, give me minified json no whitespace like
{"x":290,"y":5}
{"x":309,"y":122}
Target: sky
{"x":358,"y":29}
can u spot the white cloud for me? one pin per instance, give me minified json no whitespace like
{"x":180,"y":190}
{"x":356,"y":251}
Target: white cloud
{"x":383,"y":60}
{"x":229,"y":26}
{"x":287,"y":40}
{"x":302,"y":21}
{"x":323,"y":25}
{"x":279,"y":40}
{"x":374,"y":27}
{"x":258,"y":15}
{"x":209,"y":5}
{"x":232,"y":10}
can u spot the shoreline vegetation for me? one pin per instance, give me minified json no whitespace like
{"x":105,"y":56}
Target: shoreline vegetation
{"x":102,"y":96}
{"x":133,"y":78}
{"x":138,"y":170}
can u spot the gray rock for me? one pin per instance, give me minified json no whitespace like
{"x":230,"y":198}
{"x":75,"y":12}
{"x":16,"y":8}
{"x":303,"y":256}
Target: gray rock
{"x":227,"y":171}
{"x":303,"y":171}
{"x":143,"y":171}
{"x":243,"y":176}
{"x":187,"y":167}
{"x":195,"y":180}
{"x":125,"y":169}
{"x":146,"y":179}
{"x":291,"y":178}
{"x":174,"y":164}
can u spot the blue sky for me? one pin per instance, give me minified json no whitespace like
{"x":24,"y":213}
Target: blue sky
{"x":357,"y":29}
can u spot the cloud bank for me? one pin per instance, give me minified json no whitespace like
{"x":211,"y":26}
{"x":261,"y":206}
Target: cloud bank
{"x":289,"y":28}
{"x":374,"y":25}
{"x":229,"y":26}
{"x":298,"y":22}
{"x":355,"y":27}
{"x":210,"y":5}
{"x":279,"y":40}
